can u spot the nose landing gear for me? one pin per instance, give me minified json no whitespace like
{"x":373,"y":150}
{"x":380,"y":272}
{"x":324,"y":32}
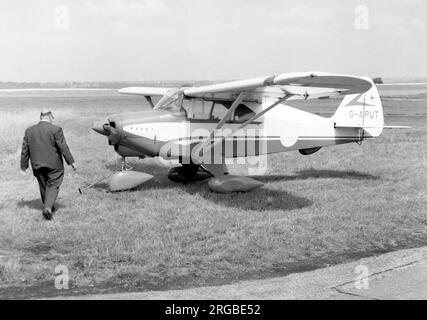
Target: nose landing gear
{"x":123,"y":164}
{"x":126,"y":178}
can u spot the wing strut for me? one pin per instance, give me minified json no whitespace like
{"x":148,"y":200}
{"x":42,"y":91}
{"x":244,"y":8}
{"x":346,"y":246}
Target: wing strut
{"x":230,"y":111}
{"x":150,"y":101}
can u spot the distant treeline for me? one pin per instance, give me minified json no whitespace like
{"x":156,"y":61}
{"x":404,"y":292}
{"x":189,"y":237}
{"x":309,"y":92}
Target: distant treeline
{"x":99,"y":85}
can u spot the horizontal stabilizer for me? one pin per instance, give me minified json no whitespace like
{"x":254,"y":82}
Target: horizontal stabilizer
{"x":396,"y":127}
{"x":373,"y":127}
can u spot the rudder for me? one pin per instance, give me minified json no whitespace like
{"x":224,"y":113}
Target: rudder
{"x":362,"y":110}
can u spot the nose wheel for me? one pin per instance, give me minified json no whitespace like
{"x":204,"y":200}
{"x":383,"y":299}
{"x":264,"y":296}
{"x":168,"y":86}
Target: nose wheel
{"x":123,"y":166}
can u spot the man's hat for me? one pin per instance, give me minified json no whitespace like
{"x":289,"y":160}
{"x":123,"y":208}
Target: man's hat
{"x":46,"y":112}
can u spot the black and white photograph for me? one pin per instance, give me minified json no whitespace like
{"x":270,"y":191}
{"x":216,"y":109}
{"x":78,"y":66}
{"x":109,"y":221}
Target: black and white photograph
{"x":211,"y":156}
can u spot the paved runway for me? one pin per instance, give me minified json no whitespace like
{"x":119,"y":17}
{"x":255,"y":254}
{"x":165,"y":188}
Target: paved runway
{"x":396,"y":275}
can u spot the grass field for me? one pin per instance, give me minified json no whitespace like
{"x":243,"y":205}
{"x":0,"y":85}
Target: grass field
{"x":336,"y":205}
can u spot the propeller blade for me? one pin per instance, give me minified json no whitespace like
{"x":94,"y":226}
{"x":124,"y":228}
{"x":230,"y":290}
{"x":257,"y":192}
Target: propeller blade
{"x":101,"y":128}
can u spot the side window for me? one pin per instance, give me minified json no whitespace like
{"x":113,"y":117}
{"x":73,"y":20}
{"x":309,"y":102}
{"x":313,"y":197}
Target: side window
{"x":198,"y":109}
{"x":242,"y":113}
{"x":209,"y":110}
{"x":202,"y":110}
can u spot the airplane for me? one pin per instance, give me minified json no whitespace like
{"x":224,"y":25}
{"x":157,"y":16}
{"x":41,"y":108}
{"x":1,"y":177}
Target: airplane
{"x":203,"y":127}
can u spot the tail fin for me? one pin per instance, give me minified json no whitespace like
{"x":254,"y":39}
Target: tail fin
{"x":363,"y":111}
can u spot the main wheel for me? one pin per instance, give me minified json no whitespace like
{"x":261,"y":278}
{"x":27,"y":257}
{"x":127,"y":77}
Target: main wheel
{"x":188,"y":173}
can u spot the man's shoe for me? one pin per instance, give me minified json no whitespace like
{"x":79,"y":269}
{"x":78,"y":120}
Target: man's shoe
{"x":54,"y":211}
{"x":47,"y":214}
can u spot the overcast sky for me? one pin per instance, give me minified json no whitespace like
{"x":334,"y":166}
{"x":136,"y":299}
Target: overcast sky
{"x":106,"y":40}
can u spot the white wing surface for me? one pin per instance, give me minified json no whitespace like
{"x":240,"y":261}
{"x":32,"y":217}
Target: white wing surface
{"x":306,"y":85}
{"x":144,"y":91}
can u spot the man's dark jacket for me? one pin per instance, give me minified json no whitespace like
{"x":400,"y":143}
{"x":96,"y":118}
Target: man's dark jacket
{"x":44,"y":144}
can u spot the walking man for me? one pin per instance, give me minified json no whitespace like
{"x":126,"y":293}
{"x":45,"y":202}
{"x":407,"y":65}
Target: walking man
{"x":45,"y":145}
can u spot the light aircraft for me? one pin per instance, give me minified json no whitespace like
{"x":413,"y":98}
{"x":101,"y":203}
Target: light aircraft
{"x":203,"y":126}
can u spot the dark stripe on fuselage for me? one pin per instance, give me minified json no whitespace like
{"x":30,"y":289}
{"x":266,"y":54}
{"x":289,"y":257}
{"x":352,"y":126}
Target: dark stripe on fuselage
{"x":258,"y":138}
{"x":152,"y":148}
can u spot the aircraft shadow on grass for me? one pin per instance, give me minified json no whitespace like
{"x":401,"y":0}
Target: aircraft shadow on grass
{"x":261,"y":199}
{"x":318,"y":174}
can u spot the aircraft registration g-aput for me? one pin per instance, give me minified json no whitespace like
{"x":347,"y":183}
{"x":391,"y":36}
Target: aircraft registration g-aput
{"x":202,"y":127}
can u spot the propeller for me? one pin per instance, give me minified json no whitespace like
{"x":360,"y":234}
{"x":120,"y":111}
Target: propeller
{"x":101,"y":129}
{"x":107,"y":130}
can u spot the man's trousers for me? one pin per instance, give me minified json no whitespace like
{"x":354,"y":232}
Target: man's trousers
{"x":49,"y":182}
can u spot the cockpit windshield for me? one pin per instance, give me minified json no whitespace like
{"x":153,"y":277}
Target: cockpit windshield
{"x":171,"y":102}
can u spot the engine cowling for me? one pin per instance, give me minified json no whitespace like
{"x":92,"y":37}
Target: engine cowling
{"x":128,"y":152}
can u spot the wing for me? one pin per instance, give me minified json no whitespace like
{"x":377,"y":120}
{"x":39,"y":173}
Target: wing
{"x":144,"y":91}
{"x":147,"y":92}
{"x":307,"y":85}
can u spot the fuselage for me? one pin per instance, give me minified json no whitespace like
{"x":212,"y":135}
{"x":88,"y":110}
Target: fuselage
{"x":173,"y":136}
